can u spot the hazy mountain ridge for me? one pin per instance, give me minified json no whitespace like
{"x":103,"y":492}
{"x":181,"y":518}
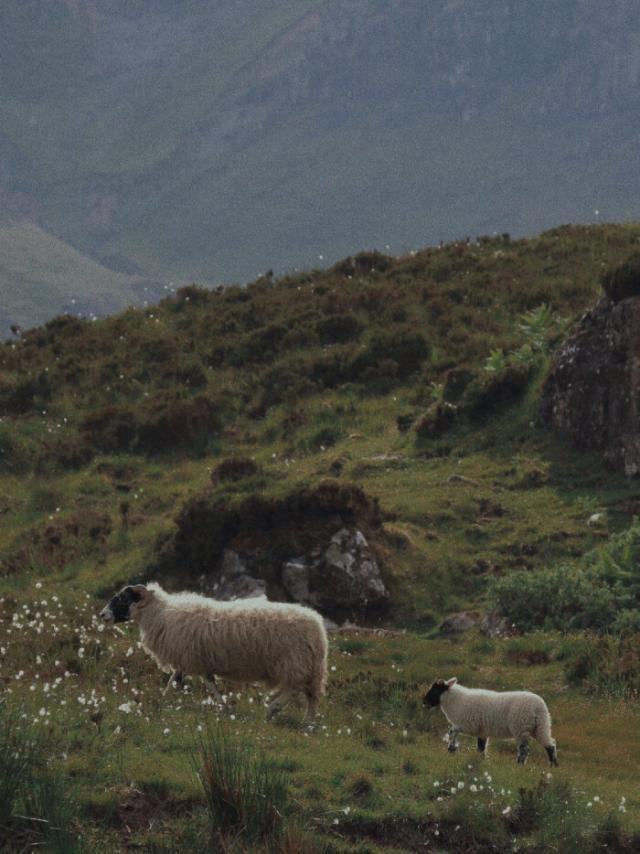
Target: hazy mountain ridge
{"x":212,"y":143}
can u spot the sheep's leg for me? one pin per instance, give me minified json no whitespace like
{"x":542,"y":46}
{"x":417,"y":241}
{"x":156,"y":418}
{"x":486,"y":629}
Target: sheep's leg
{"x":312,"y":707}
{"x":212,"y":688}
{"x":176,"y":677}
{"x":482,"y":746}
{"x":523,"y":749}
{"x":452,"y":735}
{"x":278,"y":702}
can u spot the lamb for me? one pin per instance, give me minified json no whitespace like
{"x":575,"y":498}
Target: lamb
{"x":253,"y":640}
{"x":499,"y":714}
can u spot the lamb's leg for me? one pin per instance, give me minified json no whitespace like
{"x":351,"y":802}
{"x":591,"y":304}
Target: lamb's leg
{"x":278,"y":702}
{"x":176,"y":677}
{"x":482,"y":747}
{"x":523,"y":749}
{"x":452,"y":735}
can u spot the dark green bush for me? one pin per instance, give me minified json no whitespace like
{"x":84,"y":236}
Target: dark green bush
{"x":601,"y":593}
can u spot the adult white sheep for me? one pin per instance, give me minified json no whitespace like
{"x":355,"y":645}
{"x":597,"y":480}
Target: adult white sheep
{"x":498,"y":714}
{"x":252,"y":640}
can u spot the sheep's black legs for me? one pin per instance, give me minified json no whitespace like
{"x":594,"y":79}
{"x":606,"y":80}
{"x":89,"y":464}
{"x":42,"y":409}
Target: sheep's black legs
{"x":452,"y":735}
{"x":523,"y":750}
{"x":482,"y":746}
{"x":552,"y":753}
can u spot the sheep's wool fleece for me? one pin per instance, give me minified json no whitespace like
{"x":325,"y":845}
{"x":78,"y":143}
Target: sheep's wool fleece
{"x":501,"y":714}
{"x":245,"y":641}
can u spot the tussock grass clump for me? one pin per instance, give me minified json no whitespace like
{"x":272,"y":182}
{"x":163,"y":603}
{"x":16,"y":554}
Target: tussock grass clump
{"x":35,"y":810}
{"x":247,"y":797}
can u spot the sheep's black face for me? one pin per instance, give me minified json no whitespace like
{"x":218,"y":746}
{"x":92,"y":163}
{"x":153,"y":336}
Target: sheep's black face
{"x":433,"y":695}
{"x":119,"y":608}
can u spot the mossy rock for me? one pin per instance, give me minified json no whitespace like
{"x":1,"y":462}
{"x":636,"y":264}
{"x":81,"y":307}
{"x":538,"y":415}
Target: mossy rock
{"x":623,"y":282}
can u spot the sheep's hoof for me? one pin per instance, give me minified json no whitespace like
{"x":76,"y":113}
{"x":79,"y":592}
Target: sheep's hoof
{"x":452,"y":748}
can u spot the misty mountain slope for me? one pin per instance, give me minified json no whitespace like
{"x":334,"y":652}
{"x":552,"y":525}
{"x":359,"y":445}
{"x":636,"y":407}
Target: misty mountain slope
{"x":216,"y":141}
{"x":40,"y":276}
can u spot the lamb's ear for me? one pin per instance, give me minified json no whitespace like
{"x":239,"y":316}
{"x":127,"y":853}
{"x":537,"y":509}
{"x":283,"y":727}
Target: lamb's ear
{"x":451,"y":682}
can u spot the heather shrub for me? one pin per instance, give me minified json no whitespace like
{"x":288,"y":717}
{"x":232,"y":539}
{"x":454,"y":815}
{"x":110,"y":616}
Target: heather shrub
{"x":23,"y":394}
{"x":338,"y":328}
{"x":608,"y":665}
{"x":16,"y":452}
{"x":623,"y":282}
{"x":67,"y":452}
{"x":436,"y":421}
{"x":493,"y":389}
{"x":408,"y":350}
{"x":167,"y":423}
{"x":110,"y":429}
{"x":234,"y":469}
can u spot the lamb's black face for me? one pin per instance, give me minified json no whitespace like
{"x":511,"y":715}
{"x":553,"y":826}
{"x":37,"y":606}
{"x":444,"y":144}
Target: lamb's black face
{"x":119,"y":608}
{"x":433,"y":695}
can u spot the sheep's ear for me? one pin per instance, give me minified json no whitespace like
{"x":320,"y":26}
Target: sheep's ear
{"x":451,"y":682}
{"x":142,"y":596}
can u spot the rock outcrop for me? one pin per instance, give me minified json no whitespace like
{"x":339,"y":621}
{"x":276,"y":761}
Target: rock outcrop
{"x":340,"y":580}
{"x":592,"y":395}
{"x":233,"y":580}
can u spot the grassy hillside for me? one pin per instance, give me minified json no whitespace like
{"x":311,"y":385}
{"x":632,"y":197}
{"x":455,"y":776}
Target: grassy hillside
{"x":414,"y":379}
{"x":41,"y":276}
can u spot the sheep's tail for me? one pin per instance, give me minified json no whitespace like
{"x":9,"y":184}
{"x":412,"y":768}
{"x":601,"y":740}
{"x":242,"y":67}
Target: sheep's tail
{"x":543,"y":733}
{"x":316,"y":681}
{"x":320,"y":668}
{"x":543,"y":727}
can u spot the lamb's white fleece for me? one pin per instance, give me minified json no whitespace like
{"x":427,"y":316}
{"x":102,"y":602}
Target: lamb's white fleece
{"x":501,"y":714}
